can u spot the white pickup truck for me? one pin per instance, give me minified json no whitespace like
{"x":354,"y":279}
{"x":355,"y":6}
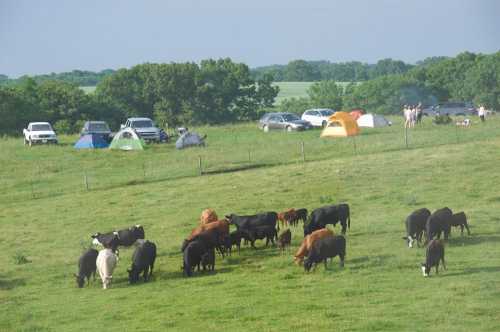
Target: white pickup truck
{"x":39,"y":132}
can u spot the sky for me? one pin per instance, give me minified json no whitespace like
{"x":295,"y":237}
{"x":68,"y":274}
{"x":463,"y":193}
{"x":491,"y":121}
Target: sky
{"x":39,"y":37}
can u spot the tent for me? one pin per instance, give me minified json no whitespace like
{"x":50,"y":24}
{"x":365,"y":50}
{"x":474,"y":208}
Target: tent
{"x":373,"y":121}
{"x":340,"y":124}
{"x":189,"y":139}
{"x":91,"y":141}
{"x":356,"y":113}
{"x":127,"y":139}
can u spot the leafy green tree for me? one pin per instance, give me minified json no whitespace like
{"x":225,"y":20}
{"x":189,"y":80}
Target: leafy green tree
{"x":326,"y":94}
{"x":301,"y":71}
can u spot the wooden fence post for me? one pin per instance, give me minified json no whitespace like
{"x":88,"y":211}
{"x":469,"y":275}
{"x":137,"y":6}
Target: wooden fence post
{"x":199,"y":166}
{"x":406,"y":137}
{"x":302,"y":149}
{"x":86,"y":181}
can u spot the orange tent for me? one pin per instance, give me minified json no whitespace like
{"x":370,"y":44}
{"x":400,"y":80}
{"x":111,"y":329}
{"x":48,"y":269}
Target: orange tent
{"x":340,"y":124}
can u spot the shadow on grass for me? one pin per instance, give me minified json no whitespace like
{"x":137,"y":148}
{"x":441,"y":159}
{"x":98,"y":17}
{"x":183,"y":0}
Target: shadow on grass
{"x":179,"y":274}
{"x":473,"y":239}
{"x":8,"y":284}
{"x":474,"y":270}
{"x":236,"y":168}
{"x":368,"y":261}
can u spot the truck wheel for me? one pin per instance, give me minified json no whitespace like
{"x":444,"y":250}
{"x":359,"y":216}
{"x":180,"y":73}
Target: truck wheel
{"x":323,"y":124}
{"x":265,"y":128}
{"x":288,"y":128}
{"x":30,"y":143}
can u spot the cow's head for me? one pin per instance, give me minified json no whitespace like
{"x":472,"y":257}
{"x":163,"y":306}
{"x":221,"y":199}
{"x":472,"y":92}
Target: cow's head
{"x":308,"y":264}
{"x":137,"y":231}
{"x":95,"y":240}
{"x":298,"y":260}
{"x":133,"y":275}
{"x":425,"y":269}
{"x":229,"y":218}
{"x":409,"y":241}
{"x":80,"y":280}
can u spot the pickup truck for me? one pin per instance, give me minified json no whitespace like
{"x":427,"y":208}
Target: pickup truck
{"x":144,"y":127}
{"x":39,"y":133}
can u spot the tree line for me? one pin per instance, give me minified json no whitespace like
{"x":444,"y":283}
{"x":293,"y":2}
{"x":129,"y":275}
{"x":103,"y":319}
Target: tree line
{"x":212,"y":92}
{"x":466,"y":77}
{"x":78,"y":77}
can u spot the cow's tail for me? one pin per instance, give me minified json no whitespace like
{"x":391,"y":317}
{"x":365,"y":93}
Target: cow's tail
{"x":349,"y":220}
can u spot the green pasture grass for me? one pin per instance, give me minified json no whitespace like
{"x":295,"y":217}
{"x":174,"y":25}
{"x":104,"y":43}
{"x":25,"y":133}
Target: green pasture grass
{"x":295,"y":90}
{"x":379,"y":289}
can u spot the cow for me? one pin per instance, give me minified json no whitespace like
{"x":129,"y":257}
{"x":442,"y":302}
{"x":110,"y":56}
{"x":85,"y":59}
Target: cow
{"x":325,"y":248}
{"x":222,"y":227}
{"x":415,"y":226}
{"x":460,"y":219}
{"x":434,"y":254}
{"x":124,"y":237}
{"x":208,"y":216}
{"x":330,"y":214}
{"x":106,"y":263}
{"x":193,"y":254}
{"x":208,"y":260}
{"x":300,"y":214}
{"x":260,"y":232}
{"x":249,"y":222}
{"x":233,"y":239}
{"x":287,"y":217}
{"x":143,"y":260}
{"x":284,"y":239}
{"x":86,"y":267}
{"x":308,"y":242}
{"x":439,"y":221}
{"x":211,"y":238}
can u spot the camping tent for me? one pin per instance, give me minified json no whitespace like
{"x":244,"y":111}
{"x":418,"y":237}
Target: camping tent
{"x":127,"y":139}
{"x":189,"y":139}
{"x":372,"y":121}
{"x":340,"y":124}
{"x":91,"y":141}
{"x":356,"y":113}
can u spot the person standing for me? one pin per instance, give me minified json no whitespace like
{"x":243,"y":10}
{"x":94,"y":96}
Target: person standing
{"x":482,"y":113}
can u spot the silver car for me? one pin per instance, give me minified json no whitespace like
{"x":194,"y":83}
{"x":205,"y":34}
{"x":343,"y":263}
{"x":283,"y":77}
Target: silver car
{"x":450,"y":108}
{"x":283,"y":121}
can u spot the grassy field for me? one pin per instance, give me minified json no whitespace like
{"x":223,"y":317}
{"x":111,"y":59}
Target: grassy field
{"x":47,"y":216}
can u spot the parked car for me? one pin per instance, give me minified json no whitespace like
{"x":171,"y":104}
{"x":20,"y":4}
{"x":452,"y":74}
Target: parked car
{"x":283,"y":121}
{"x":39,"y":133}
{"x":450,"y":108}
{"x":97,"y":127}
{"x":318,"y":117}
{"x":144,"y":127}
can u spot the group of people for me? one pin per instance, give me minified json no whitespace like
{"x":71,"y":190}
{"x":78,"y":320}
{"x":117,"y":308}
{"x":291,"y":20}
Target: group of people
{"x":412,"y":114}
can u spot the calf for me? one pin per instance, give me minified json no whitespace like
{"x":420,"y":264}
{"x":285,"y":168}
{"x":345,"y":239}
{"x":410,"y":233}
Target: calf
{"x":261,"y":232}
{"x":143,"y":260}
{"x":287,"y":217}
{"x":308,"y":242}
{"x":193,"y":254}
{"x":86,"y":267}
{"x":325,"y":248}
{"x":434,"y":254}
{"x":233,"y":239}
{"x":124,"y":237}
{"x":300,"y":214}
{"x":438,"y":222}
{"x":284,"y":239}
{"x":208,"y":216}
{"x":459,"y":219}
{"x":415,"y":226}
{"x":106,"y":263}
{"x":208,"y":260}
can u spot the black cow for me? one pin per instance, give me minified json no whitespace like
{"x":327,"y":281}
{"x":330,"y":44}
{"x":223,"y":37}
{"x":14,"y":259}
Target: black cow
{"x":208,"y":260}
{"x":259,"y":233}
{"x":415,"y":226}
{"x":330,"y":214}
{"x":439,"y":221}
{"x":143,"y":260}
{"x":86,"y":267}
{"x":300,"y":214}
{"x":434,"y":254}
{"x":211,"y":238}
{"x":324,"y":248}
{"x":193,"y":254}
{"x":233,"y":239}
{"x":124,"y":237}
{"x":459,"y":219}
{"x":249,"y":222}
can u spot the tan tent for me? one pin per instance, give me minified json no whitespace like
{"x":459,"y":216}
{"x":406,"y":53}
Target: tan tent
{"x":340,"y":124}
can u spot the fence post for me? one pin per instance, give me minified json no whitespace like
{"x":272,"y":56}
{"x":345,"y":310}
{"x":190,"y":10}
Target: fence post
{"x":86,"y":181}
{"x":456,"y":133}
{"x":249,"y":157}
{"x":144,"y":170}
{"x":406,"y":137}
{"x":303,"y":151}
{"x":199,"y":166}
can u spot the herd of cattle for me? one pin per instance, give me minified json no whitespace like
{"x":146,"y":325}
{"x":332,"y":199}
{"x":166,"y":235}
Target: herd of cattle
{"x":213,"y":235}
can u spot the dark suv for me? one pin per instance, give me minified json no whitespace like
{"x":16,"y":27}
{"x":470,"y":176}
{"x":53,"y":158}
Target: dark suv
{"x":283,"y":121}
{"x":450,"y":108}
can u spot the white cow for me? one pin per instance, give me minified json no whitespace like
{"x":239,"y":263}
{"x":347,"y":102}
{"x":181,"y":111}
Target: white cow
{"x":106,"y":263}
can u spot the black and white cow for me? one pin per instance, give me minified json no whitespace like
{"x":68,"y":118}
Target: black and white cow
{"x":439,"y":222}
{"x":86,"y":267}
{"x":143,"y":261}
{"x":324,"y":248}
{"x":415,"y":226}
{"x":460,"y":219}
{"x":434,"y":254}
{"x":124,"y":237}
{"x":330,"y":214}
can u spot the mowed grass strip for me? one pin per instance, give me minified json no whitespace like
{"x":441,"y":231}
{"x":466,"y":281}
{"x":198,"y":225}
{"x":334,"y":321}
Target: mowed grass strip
{"x":380,"y":288}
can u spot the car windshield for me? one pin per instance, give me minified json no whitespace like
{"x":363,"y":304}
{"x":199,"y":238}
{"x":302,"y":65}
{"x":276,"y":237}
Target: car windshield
{"x":98,"y":127}
{"x":326,"y":112}
{"x":142,"y":124}
{"x":41,"y":127}
{"x":290,"y":117}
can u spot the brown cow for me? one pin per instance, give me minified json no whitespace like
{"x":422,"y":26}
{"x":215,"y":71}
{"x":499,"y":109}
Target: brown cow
{"x":208,"y":216}
{"x":222,"y":226}
{"x":308,"y":242}
{"x":287,"y":217}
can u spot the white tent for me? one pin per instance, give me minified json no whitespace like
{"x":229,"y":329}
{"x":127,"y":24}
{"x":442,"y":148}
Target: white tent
{"x":373,"y":121}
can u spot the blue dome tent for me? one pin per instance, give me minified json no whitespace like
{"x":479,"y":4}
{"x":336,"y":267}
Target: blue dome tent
{"x":91,"y":141}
